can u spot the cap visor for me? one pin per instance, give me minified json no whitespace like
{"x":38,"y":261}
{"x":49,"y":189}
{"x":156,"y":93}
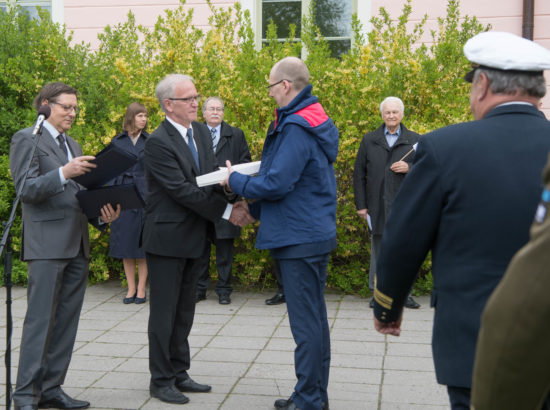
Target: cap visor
{"x":470,"y":75}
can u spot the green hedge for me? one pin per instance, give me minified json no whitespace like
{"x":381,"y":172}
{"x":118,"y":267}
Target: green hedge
{"x":131,"y":59}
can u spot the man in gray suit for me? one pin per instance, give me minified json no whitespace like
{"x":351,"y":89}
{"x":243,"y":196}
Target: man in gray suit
{"x":56,"y":248}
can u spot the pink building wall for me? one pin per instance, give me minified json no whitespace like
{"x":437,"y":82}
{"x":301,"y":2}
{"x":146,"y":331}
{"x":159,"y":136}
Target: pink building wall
{"x":87,"y":18}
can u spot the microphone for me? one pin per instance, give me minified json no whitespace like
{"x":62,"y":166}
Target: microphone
{"x":43,"y":113}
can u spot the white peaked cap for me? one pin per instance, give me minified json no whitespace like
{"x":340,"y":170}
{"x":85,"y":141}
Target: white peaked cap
{"x":505,"y":51}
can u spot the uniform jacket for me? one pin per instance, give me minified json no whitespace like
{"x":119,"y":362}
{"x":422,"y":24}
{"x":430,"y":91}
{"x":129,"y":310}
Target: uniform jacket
{"x":296,"y":186}
{"x":232,"y":146}
{"x":513,"y":359}
{"x":54,"y":225}
{"x":375,"y":185}
{"x":470,"y":198}
{"x":177,"y":210}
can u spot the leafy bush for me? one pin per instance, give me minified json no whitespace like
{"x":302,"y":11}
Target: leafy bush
{"x":131,"y":59}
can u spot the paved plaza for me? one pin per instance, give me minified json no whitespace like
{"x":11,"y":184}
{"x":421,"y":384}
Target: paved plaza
{"x":245,"y":351}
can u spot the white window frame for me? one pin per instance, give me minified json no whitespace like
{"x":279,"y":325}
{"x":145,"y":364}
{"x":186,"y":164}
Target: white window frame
{"x":56,"y":7}
{"x":363,"y":9}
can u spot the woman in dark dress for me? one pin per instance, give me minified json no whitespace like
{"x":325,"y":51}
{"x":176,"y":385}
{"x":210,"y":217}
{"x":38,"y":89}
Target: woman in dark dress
{"x":125,"y":231}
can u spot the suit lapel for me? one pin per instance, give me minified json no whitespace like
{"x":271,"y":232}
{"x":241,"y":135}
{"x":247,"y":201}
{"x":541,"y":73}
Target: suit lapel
{"x":180,"y":146}
{"x":50,"y":146}
{"x":202,"y":140}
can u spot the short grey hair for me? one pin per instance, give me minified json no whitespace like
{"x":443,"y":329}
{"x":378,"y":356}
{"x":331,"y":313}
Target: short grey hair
{"x":294,"y":70}
{"x":392,"y":99}
{"x":165,"y":88}
{"x":213,"y":98}
{"x":514,"y":82}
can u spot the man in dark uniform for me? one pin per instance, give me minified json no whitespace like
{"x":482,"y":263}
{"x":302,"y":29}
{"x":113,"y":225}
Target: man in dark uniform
{"x":230,"y":144}
{"x":384,"y":158}
{"x":470,"y":198}
{"x":512,"y":366}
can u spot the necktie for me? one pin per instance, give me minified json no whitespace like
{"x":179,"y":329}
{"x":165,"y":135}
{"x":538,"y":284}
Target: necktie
{"x":192,"y":148}
{"x":213,"y":135}
{"x":61,"y":140}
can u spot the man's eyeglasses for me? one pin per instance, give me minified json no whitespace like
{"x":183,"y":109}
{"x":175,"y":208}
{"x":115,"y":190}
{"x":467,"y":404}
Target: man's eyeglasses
{"x":188,"y":100}
{"x":215,"y":109}
{"x":67,"y":108}
{"x":278,"y":82}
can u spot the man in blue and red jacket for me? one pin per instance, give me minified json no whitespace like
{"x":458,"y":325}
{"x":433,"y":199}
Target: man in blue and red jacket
{"x":295,"y":199}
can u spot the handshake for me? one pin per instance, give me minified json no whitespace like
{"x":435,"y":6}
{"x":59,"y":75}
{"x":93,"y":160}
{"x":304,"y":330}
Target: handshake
{"x":240,"y":215}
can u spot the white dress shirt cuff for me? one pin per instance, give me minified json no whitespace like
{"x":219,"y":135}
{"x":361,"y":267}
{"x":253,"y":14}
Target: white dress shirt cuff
{"x":62,"y":177}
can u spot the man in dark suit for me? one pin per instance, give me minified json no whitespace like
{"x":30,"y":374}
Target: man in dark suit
{"x":512,"y":366}
{"x":469,"y":198}
{"x":230,"y":144}
{"x":384,"y":158}
{"x":56,"y":248}
{"x":174,"y":234}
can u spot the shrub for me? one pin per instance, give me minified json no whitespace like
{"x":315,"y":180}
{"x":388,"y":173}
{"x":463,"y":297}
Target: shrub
{"x":131,"y":59}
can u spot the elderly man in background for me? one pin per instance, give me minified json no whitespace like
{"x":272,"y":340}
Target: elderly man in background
{"x":384,"y":158}
{"x":230,"y":144}
{"x":470,"y":198}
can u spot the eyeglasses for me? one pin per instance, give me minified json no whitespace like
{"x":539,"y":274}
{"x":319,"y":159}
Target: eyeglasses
{"x":278,"y":82}
{"x":215,"y":109}
{"x":67,"y":108}
{"x":187,"y":100}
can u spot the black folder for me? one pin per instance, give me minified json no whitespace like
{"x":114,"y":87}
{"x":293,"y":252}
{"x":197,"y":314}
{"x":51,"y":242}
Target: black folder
{"x":111,"y":162}
{"x":92,"y":200}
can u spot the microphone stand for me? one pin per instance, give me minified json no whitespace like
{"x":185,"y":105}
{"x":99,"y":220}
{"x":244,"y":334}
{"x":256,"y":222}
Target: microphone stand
{"x":6,"y":244}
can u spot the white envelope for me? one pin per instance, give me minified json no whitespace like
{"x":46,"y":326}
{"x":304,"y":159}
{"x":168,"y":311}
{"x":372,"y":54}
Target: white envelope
{"x":250,"y":168}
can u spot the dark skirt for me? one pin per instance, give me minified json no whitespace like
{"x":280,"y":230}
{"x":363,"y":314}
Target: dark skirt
{"x":125,"y":233}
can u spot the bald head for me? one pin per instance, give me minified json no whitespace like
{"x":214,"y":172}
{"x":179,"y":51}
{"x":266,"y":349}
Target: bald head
{"x":292,"y":69}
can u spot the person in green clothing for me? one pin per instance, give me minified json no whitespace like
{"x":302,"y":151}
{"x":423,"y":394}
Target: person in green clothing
{"x":512,"y":365}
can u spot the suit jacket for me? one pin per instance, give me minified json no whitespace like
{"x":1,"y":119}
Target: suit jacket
{"x":177,"y":210}
{"x":54,"y":225}
{"x":470,"y":198}
{"x":232,"y":146}
{"x":375,"y":185}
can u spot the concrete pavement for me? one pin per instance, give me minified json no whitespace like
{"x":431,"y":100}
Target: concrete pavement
{"x":245,"y":351}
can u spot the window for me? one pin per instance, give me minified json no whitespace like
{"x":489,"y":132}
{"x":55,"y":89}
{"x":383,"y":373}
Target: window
{"x":55,"y":7}
{"x":333,"y":17}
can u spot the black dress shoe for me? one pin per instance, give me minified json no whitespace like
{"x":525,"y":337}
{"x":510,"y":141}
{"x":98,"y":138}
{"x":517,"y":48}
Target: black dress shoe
{"x":167,"y":394}
{"x":411,"y":303}
{"x":129,"y":300}
{"x":62,"y":400}
{"x":26,"y":407}
{"x":200,"y":296}
{"x":224,"y":299}
{"x":277,"y":299}
{"x":191,"y":386}
{"x":284,"y":403}
{"x":371,"y":303}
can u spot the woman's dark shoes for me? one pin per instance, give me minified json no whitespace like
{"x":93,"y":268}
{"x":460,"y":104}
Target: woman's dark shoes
{"x":129,"y":300}
{"x":139,"y":301}
{"x":62,"y":400}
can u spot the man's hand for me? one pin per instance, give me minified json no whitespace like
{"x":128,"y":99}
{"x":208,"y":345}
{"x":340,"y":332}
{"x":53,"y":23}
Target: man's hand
{"x":225,"y":182}
{"x":78,"y":166}
{"x":400,"y":167}
{"x":363,"y":213}
{"x":240,"y":215}
{"x":392,"y":328}
{"x":108,"y":214}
